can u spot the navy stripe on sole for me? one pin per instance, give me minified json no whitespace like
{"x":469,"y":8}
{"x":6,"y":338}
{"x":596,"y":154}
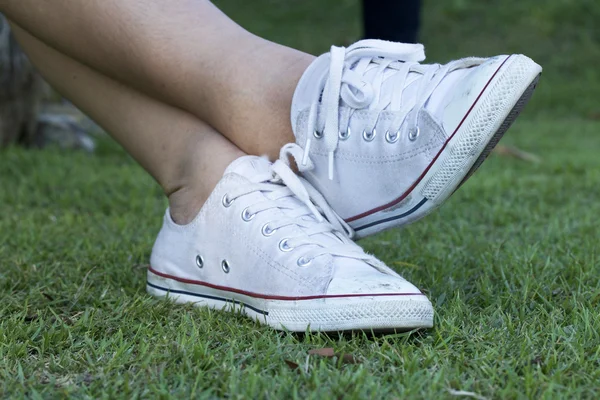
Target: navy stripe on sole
{"x":406,"y":214}
{"x":205,"y":296}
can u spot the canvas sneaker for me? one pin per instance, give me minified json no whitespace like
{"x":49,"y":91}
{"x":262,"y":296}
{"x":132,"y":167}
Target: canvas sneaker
{"x":267,"y":244}
{"x":386,"y":140}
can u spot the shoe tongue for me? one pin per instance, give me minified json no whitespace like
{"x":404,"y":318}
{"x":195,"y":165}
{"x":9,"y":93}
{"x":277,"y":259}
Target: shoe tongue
{"x":253,"y":168}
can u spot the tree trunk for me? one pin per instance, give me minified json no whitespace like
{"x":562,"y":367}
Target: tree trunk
{"x":20,"y":93}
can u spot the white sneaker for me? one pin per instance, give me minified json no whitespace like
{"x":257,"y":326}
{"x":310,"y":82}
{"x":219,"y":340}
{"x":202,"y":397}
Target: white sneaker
{"x":390,"y":139}
{"x":261,"y":244}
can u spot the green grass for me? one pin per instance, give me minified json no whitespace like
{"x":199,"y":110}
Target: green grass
{"x":511,"y":262}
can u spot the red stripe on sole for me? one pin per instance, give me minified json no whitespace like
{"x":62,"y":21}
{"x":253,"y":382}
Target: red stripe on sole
{"x":269,"y":297}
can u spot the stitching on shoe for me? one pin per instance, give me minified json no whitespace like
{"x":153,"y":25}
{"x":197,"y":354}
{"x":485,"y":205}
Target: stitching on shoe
{"x":425,"y":148}
{"x":439,"y":136}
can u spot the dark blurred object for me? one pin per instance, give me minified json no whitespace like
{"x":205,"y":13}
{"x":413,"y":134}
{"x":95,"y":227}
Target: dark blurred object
{"x":20,"y":92}
{"x":24,"y":119}
{"x":393,"y":20}
{"x":63,"y":125}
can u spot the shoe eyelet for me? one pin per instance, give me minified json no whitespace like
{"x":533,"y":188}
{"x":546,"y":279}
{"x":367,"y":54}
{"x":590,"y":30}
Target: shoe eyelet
{"x":225,"y":266}
{"x":369,"y":136}
{"x":199,"y":261}
{"x":303,"y":262}
{"x":226,"y":202}
{"x":267,"y":231}
{"x":284,"y":246}
{"x":392,"y":137}
{"x":345,"y":135}
{"x":317,"y":134}
{"x":413,"y":134}
{"x":246,"y":216}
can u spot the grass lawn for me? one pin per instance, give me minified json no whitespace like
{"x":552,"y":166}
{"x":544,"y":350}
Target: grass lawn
{"x":511,"y":263}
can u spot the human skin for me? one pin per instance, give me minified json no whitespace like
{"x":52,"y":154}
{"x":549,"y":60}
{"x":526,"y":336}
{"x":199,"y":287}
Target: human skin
{"x":185,"y":53}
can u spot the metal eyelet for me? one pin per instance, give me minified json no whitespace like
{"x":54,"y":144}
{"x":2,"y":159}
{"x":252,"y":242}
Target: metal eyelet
{"x":199,"y":261}
{"x":317,"y":134}
{"x":345,"y":135}
{"x":392,"y":137}
{"x":267,"y":231}
{"x":303,"y":262}
{"x":284,"y":246}
{"x":413,"y":134}
{"x":226,"y":202}
{"x":369,"y":136}
{"x":246,"y":216}
{"x":225,"y":266}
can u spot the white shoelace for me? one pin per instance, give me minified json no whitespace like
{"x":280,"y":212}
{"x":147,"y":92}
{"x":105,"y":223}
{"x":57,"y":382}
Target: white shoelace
{"x":282,"y":188}
{"x":345,"y":88}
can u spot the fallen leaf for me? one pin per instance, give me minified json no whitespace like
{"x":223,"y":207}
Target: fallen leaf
{"x":349,"y":359}
{"x":594,"y":115}
{"x":325,"y":352}
{"x":330,"y":353}
{"x":291,"y":364}
{"x":511,"y":151}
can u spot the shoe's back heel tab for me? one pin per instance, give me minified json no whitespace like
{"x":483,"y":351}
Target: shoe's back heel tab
{"x":168,"y":238}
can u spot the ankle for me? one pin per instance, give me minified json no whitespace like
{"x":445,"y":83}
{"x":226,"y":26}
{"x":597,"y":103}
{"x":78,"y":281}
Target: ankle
{"x":185,"y":203}
{"x":197,"y":176}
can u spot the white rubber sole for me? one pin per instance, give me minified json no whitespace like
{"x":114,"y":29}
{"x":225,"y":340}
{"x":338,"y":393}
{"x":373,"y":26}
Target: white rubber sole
{"x":325,"y":314}
{"x":490,"y":117}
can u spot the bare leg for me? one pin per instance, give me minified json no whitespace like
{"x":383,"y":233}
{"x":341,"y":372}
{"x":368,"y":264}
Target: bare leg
{"x":184,"y":52}
{"x":184,"y":155}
